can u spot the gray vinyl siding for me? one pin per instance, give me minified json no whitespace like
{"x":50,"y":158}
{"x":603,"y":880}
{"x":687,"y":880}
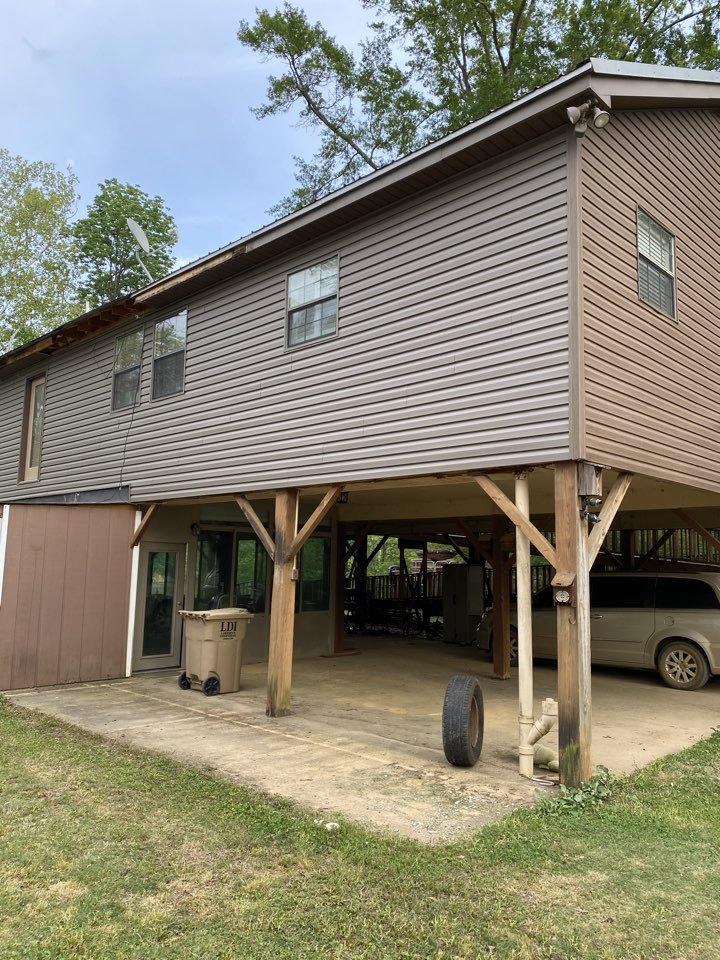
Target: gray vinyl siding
{"x":451,"y":354}
{"x":652,"y":383}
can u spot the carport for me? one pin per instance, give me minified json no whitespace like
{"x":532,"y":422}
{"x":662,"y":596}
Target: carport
{"x":575,"y":503}
{"x":363,"y":739}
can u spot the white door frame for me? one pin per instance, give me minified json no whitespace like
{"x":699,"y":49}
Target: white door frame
{"x":163,"y":661}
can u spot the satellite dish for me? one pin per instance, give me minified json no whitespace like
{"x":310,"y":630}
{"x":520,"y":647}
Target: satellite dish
{"x":137,"y":231}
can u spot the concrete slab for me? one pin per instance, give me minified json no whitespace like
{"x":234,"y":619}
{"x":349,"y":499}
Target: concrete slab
{"x":364,"y":738}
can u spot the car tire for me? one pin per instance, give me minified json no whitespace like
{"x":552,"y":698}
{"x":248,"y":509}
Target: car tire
{"x":682,"y":665}
{"x":513,"y":646}
{"x":463,"y":721}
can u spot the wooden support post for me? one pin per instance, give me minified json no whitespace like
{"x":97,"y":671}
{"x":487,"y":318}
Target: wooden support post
{"x":339,"y":646}
{"x":282,"y":610}
{"x":361,"y":585}
{"x":573,"y":631}
{"x":501,"y":602}
{"x":627,"y":549}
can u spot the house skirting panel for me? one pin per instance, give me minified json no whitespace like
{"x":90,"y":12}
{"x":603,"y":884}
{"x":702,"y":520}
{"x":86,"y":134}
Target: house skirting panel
{"x":65,"y":592}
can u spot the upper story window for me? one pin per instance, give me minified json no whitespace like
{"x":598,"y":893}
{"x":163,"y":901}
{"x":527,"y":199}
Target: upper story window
{"x":312,"y":303}
{"x":126,"y":370}
{"x":169,"y":356}
{"x":656,"y":264}
{"x":33,"y":428}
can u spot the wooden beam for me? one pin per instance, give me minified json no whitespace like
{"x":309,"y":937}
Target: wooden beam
{"x":511,"y":511}
{"x":611,"y":556}
{"x":501,"y":603}
{"x":282,"y":607}
{"x":256,"y":523}
{"x":609,"y":508}
{"x":318,"y":514}
{"x":654,"y":549}
{"x":573,"y":632}
{"x":473,"y":538}
{"x":144,"y":523}
{"x":709,"y":538}
{"x":456,"y":548}
{"x":350,"y":552}
{"x":378,"y":547}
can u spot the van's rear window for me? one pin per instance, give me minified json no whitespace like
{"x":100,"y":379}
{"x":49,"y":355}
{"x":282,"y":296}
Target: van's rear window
{"x":677,"y":593}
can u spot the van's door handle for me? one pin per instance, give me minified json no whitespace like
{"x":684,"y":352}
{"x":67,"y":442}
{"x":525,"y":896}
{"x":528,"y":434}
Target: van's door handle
{"x":596,"y":616}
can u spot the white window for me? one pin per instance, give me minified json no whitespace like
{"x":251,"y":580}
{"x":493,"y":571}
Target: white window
{"x":656,"y":264}
{"x":33,"y":428}
{"x":169,"y":356}
{"x":126,"y":370}
{"x":312,"y":303}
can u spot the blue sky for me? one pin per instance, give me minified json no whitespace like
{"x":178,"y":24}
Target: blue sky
{"x":158,"y":93}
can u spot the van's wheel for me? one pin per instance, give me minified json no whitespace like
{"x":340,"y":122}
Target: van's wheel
{"x":463,"y":721}
{"x":211,"y":686}
{"x":513,"y":645}
{"x":682,"y":665}
{"x":183,"y":681}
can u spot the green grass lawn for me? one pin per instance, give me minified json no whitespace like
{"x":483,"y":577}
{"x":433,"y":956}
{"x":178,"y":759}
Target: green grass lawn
{"x":111,"y":853}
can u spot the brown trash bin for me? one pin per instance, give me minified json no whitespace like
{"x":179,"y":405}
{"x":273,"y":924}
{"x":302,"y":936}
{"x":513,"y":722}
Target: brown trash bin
{"x":213,"y":649}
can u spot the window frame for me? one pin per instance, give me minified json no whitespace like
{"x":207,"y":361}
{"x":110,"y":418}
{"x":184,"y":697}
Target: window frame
{"x":309,"y":303}
{"x":28,"y":472}
{"x":170,"y":353}
{"x":641,"y":212}
{"x":138,"y":366}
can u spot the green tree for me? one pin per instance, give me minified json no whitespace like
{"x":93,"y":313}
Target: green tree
{"x":429,"y":66}
{"x":106,"y":247}
{"x":37,"y":274}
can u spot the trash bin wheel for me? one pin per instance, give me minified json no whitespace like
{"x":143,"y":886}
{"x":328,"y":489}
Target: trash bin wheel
{"x":211,"y":686}
{"x":183,"y":681}
{"x":463,"y":721}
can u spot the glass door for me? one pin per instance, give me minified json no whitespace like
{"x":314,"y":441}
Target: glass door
{"x":158,"y":627}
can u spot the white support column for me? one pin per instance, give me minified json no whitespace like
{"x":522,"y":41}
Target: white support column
{"x":132,"y":602}
{"x":4,"y":525}
{"x":524,"y":626}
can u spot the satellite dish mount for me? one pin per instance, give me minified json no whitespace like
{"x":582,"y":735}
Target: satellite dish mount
{"x":142,"y":244}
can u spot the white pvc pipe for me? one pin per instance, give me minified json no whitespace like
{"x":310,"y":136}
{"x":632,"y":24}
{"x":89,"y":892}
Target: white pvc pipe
{"x":132,"y":599}
{"x":4,"y":525}
{"x":524,"y":629}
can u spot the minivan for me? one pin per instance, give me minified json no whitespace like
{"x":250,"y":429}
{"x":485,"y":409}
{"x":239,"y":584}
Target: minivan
{"x":669,"y":622}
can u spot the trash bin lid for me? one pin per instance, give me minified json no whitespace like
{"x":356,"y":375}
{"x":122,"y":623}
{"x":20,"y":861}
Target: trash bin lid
{"x":223,"y":613}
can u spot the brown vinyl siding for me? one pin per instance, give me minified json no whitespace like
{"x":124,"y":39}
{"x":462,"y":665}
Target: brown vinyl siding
{"x":652,"y":383}
{"x":451,"y":354}
{"x":64,"y":604}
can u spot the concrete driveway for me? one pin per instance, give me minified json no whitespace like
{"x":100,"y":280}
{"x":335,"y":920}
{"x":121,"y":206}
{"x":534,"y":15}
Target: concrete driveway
{"x":364,"y":738}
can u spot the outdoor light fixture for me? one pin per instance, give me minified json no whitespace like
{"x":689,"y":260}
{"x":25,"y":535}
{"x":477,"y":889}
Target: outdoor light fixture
{"x":587,"y":511}
{"x":195,"y":529}
{"x":600,"y":118}
{"x":589,"y":110}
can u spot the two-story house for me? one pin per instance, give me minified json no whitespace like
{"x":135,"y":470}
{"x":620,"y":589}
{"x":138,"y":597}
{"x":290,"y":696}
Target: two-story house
{"x":537,"y":293}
